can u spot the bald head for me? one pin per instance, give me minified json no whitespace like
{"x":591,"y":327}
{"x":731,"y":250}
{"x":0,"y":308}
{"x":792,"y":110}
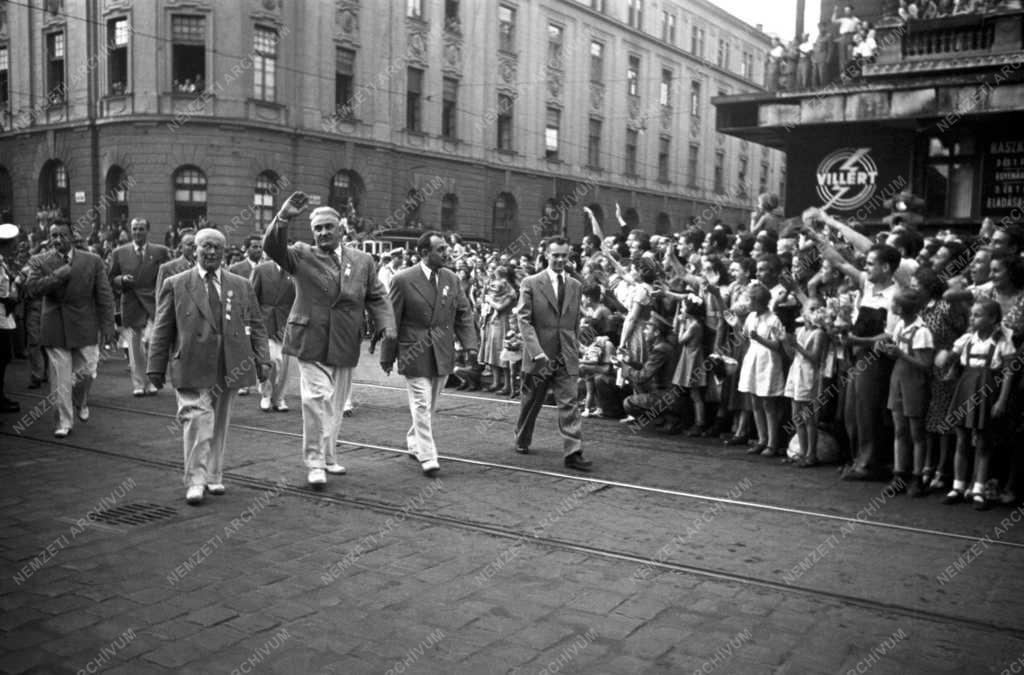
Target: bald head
{"x":210,"y":244}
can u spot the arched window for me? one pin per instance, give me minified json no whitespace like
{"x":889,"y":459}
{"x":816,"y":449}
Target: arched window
{"x":264,"y":200}
{"x":347,"y":193}
{"x":663,"y":225}
{"x":411,"y":207}
{"x":449,"y":208}
{"x":54,"y":195}
{"x":189,"y":197}
{"x":116,"y":197}
{"x":505,"y":215}
{"x":6,"y":197}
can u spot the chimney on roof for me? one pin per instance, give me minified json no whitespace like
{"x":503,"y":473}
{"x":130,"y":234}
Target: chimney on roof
{"x":759,"y":27}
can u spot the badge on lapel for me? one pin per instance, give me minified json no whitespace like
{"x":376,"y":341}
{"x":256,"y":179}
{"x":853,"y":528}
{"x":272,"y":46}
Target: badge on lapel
{"x":227,"y":305}
{"x":444,"y":292}
{"x":348,"y":271}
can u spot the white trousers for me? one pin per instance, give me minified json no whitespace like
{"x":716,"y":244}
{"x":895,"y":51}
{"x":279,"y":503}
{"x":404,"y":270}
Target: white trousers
{"x":324,"y":390}
{"x":138,"y":352}
{"x":204,"y":415}
{"x":279,"y":363}
{"x":424,"y":393}
{"x":71,"y":374}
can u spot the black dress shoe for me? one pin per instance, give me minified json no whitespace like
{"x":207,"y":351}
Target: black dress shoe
{"x":576,"y":461}
{"x":522,"y":449}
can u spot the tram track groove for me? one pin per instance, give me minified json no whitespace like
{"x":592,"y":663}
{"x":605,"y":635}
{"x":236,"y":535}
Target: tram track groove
{"x":498,"y":531}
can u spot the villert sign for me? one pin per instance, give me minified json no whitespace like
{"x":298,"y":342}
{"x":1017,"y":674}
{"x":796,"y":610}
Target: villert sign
{"x":847,"y":179}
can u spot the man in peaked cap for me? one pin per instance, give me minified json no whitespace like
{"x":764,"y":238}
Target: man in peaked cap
{"x":332,"y":287}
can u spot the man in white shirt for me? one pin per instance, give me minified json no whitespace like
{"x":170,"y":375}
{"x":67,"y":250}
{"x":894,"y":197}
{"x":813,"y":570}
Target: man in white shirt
{"x":388,"y":270}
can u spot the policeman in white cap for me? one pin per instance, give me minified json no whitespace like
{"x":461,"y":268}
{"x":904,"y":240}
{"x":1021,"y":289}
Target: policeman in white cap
{"x":8,"y":299}
{"x":333,"y":285}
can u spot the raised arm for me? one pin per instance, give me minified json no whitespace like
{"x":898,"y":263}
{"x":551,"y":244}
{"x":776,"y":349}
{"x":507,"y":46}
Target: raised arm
{"x":275,"y":241}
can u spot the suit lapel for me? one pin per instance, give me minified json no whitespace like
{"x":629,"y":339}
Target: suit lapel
{"x":549,"y":291}
{"x":422,"y":286}
{"x":439,"y":297}
{"x":343,"y":263}
{"x":196,"y":288}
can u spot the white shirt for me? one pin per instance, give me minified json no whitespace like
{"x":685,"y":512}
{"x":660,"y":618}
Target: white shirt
{"x":878,"y":298}
{"x":848,"y":24}
{"x":973,"y":350}
{"x":385,"y":275}
{"x":914,"y":335}
{"x":426,"y":270}
{"x":6,"y":288}
{"x":216,"y":279}
{"x":554,"y":279}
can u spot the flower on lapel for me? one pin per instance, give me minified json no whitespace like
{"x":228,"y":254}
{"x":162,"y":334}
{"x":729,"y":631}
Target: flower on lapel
{"x":348,"y":270}
{"x":444,"y":291}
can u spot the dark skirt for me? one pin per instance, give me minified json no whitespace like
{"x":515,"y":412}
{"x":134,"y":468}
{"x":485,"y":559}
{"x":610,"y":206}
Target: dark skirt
{"x":971,"y":405}
{"x":937,"y":419}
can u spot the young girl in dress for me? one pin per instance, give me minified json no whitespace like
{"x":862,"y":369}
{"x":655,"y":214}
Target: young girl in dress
{"x":691,"y":375}
{"x":981,"y":395}
{"x":803,"y":385}
{"x":761,"y":373}
{"x":912,"y":346}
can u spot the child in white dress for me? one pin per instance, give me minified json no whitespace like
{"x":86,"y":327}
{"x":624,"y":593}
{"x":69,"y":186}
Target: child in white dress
{"x":803,"y":384}
{"x":761,"y":373}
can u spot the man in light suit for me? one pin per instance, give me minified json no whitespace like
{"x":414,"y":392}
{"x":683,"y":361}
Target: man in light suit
{"x":275,"y":292}
{"x":549,"y":319}
{"x":185,"y":261}
{"x":133,"y":271}
{"x":332,"y":287}
{"x":78,"y":309}
{"x":431,"y":311}
{"x":209,"y":328}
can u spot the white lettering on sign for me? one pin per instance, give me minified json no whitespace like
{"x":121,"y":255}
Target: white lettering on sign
{"x":847,"y":179}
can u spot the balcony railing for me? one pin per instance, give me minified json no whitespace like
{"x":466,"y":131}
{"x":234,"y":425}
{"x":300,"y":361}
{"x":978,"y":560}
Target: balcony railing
{"x":954,"y":36}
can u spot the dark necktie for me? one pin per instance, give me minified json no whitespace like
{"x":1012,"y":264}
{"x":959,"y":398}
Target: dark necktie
{"x":433,"y":280}
{"x":560,"y":292}
{"x":214,"y":296}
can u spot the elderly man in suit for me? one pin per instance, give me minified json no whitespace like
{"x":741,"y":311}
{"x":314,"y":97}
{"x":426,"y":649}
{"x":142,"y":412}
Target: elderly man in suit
{"x":549,"y":319}
{"x":431,"y":311}
{"x":185,"y":260}
{"x":275,"y":292}
{"x":78,"y":309}
{"x":332,"y":287}
{"x":209,"y":329}
{"x":133,"y":271}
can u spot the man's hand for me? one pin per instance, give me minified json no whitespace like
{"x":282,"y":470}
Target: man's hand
{"x":998,"y":408}
{"x":390,"y":333}
{"x":156,"y":379}
{"x":127,"y":281}
{"x":541,"y":357}
{"x":263,"y":372}
{"x":293,"y":206}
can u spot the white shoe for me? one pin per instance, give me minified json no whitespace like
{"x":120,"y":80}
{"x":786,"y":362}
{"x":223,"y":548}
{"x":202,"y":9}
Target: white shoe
{"x":138,"y":392}
{"x":317,"y":478}
{"x":627,"y":419}
{"x":194,"y":495}
{"x":216,"y":489}
{"x":62,"y":432}
{"x":244,"y":391}
{"x":265,"y":404}
{"x":335,"y":468}
{"x":430,"y":467}
{"x":83,"y":413}
{"x":281,"y":406}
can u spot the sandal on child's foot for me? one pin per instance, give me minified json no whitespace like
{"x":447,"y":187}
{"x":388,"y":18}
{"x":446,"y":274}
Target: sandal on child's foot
{"x":807,"y":462}
{"x":756,"y":449}
{"x":980,"y":503}
{"x":953,"y":497}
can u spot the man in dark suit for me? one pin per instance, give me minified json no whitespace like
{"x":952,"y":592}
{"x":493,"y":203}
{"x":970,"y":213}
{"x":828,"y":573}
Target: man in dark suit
{"x":209,"y":329}
{"x":185,"y":260}
{"x":78,"y":308}
{"x":276,"y":293}
{"x":133,"y":271}
{"x":332,"y":288}
{"x":549,"y":319}
{"x":431,"y":311}
{"x":253,"y":257}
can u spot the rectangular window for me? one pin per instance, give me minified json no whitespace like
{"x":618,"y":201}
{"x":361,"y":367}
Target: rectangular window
{"x":597,"y":5}
{"x":5,"y":87}
{"x":723,"y":53}
{"x":188,"y":53}
{"x":551,"y":128}
{"x":692,"y":162}
{"x":55,"y":86}
{"x":741,"y":176}
{"x":633,"y":76}
{"x":697,"y":42}
{"x":344,"y":82}
{"x":596,"y":62}
{"x":719,"y":171}
{"x":413,"y":99}
{"x":117,"y":56}
{"x":594,"y":143}
{"x":505,"y":115}
{"x":664,"y":145}
{"x":555,"y":38}
{"x":747,"y":65}
{"x":631,"y":144}
{"x":665,"y":94}
{"x":636,"y":14}
{"x":414,"y":9}
{"x":264,"y":63}
{"x":695,"y":98}
{"x":506,"y":28}
{"x":668,"y":27}
{"x":762,"y":182}
{"x":449,"y":107}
